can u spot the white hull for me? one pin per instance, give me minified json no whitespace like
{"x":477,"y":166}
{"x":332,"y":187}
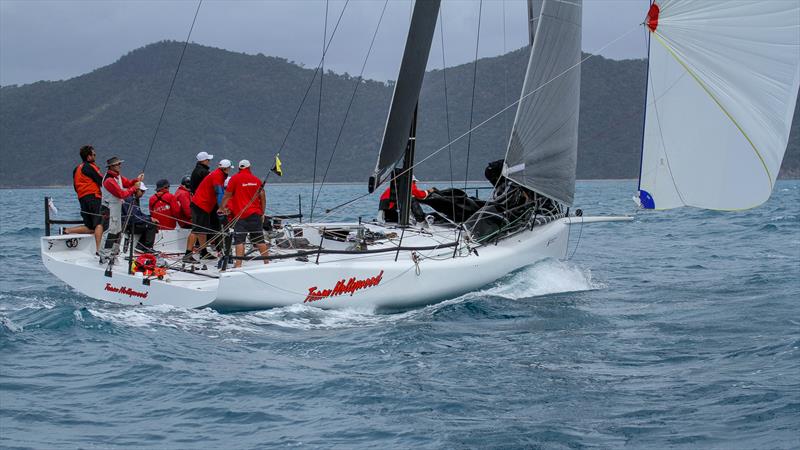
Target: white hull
{"x":375,"y":281}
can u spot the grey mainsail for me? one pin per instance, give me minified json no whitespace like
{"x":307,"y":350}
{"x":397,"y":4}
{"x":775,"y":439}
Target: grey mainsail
{"x":543,"y":148}
{"x":409,"y":83}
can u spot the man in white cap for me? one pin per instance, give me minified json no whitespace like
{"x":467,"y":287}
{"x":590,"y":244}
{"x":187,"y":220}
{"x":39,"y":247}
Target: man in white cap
{"x":140,"y":223}
{"x":201,"y":170}
{"x":245,"y":200}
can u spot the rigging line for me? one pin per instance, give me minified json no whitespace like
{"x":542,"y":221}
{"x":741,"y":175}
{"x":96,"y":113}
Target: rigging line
{"x":349,"y":106}
{"x":474,"y":83}
{"x":498,"y":113}
{"x":296,"y":115}
{"x":447,"y":108}
{"x":505,"y":51}
{"x":319,"y":114}
{"x":644,"y":119}
{"x":472,"y":101}
{"x":311,"y":83}
{"x":171,"y":86}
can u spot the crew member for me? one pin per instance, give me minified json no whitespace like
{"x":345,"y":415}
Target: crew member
{"x":204,"y":203}
{"x":115,"y":190}
{"x":184,"y":197}
{"x":245,"y":200}
{"x":201,"y":170}
{"x":138,"y":222}
{"x":87,"y":179}
{"x":164,"y":207}
{"x":388,"y":200}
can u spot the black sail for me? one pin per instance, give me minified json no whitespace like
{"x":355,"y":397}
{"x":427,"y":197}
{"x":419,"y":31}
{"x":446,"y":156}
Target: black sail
{"x":409,"y":83}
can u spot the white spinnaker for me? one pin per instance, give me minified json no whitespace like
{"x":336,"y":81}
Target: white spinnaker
{"x":722,"y":85}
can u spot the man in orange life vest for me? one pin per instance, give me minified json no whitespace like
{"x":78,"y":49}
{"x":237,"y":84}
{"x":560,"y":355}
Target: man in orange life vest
{"x":184,"y":197}
{"x":204,"y":203}
{"x":245,"y":199}
{"x":388,"y":201}
{"x":87,"y":179}
{"x":164,"y":206}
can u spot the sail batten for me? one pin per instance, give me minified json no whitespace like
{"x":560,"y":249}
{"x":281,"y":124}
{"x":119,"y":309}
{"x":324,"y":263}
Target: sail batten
{"x":723,"y":80}
{"x":543,"y":147}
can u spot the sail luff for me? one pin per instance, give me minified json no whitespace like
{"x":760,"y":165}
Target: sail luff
{"x":534,"y":12}
{"x":408,"y":85}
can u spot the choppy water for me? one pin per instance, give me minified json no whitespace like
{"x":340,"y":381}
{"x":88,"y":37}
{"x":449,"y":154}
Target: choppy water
{"x":680,"y":329}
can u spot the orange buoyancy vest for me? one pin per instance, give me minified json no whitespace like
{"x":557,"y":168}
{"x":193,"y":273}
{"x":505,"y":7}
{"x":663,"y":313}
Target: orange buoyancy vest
{"x":84,"y":185}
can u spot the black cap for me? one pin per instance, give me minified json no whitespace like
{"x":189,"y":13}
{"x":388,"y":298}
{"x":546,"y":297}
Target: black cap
{"x":161,"y":184}
{"x":186,"y":180}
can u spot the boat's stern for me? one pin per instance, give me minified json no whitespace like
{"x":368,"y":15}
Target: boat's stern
{"x":72,"y":259}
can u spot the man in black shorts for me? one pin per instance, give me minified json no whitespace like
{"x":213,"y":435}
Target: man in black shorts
{"x":245,"y":200}
{"x":86,"y":179}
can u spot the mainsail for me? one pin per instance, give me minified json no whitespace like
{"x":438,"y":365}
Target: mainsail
{"x":722,"y":85}
{"x":543,"y":148}
{"x":409,"y":83}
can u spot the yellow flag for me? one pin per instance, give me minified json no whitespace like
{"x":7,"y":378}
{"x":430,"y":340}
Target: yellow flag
{"x":277,"y":166}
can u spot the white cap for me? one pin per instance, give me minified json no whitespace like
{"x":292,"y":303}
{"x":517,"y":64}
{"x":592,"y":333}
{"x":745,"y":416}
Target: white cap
{"x":202,"y":156}
{"x":243,"y":164}
{"x":414,"y":178}
{"x":142,"y":187}
{"x":225,"y":163}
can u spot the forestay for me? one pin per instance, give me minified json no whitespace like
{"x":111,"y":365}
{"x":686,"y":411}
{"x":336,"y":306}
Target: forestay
{"x":722,"y":85}
{"x":543,"y":148}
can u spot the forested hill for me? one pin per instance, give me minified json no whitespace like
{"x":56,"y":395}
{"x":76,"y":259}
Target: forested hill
{"x":238,"y":106}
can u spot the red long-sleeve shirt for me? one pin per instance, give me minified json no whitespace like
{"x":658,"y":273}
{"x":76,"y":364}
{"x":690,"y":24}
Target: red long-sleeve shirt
{"x":111,"y":185}
{"x":164,"y":207}
{"x":184,"y":214}
{"x":415,"y":192}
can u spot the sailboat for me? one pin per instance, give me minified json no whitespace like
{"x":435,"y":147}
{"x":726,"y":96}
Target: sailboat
{"x":722,"y":84}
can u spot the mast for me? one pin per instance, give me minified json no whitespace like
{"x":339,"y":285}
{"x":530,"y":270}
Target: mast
{"x":404,"y":180}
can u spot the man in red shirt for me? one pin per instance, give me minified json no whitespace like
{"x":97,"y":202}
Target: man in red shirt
{"x":87,"y":179}
{"x":115,"y":190}
{"x":184,"y":199}
{"x":204,"y":203}
{"x":245,"y":200}
{"x":164,"y":206}
{"x":388,"y":200}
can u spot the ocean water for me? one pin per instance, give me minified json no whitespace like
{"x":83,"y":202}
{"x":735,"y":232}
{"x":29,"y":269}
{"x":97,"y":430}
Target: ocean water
{"x":678,"y":330}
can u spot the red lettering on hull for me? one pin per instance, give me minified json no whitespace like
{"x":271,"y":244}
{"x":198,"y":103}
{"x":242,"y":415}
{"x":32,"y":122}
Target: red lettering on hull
{"x":126,"y":291}
{"x":342,"y":287}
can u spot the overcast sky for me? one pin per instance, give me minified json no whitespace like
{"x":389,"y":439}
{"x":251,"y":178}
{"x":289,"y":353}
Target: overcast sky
{"x":61,"y":39}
